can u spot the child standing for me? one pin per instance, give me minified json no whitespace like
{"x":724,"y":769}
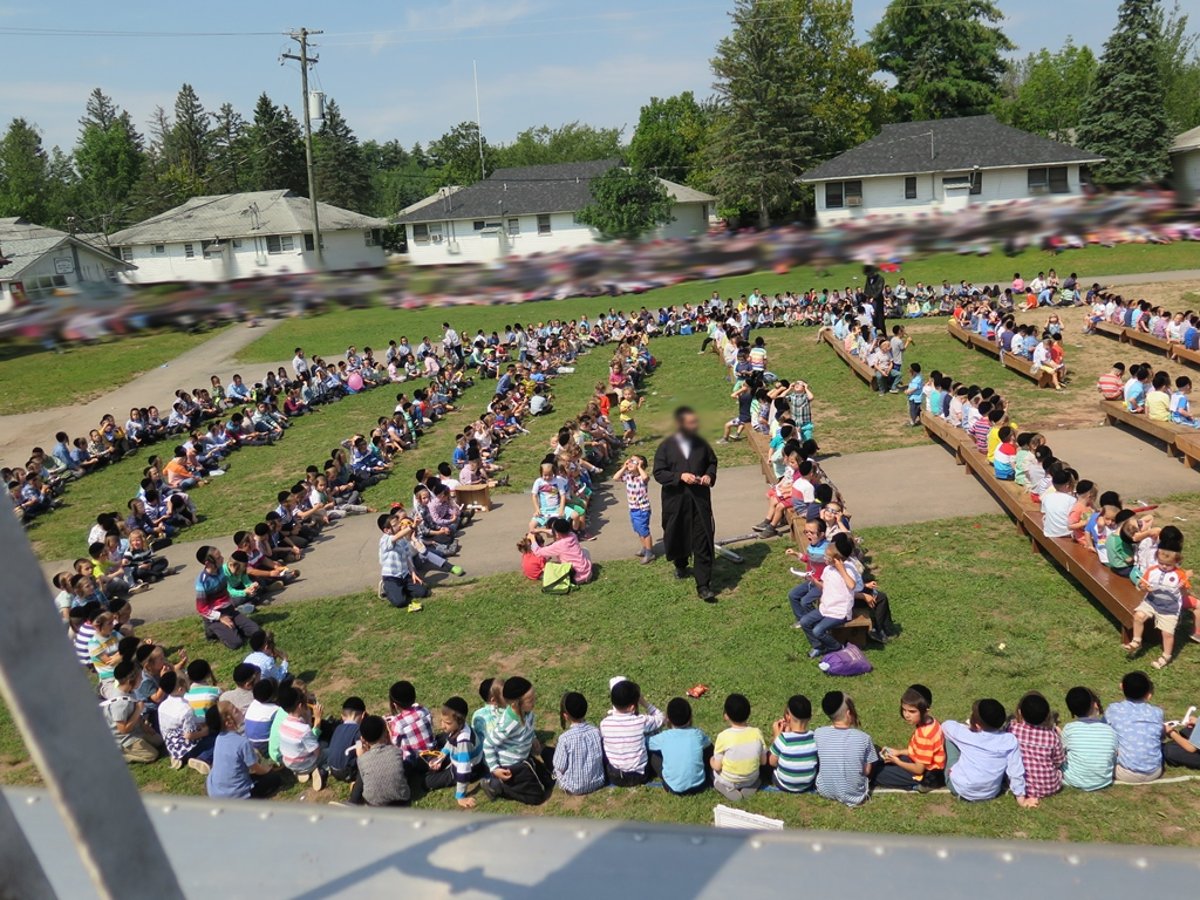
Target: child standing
{"x":921,"y":767}
{"x":1042,"y":752}
{"x":679,"y":754}
{"x":635,"y":476}
{"x":629,"y":403}
{"x":578,"y":755}
{"x":1165,"y":584}
{"x":738,"y":753}
{"x":914,"y":393}
{"x":793,"y":753}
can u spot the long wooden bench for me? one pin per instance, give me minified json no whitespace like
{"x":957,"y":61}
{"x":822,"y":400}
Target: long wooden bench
{"x":1022,"y":366}
{"x":858,"y":366}
{"x":1133,"y":336}
{"x":971,"y":339}
{"x":856,"y":630}
{"x":1014,"y":363}
{"x":761,"y":444}
{"x":1116,"y":594}
{"x":1182,"y":354}
{"x":1112,"y":329}
{"x":1169,"y":434}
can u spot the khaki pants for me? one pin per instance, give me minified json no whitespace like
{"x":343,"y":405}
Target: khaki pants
{"x":142,"y":749}
{"x":1125,"y":776}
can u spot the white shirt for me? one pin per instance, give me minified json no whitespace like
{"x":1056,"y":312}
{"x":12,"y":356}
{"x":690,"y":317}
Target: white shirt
{"x":299,"y":365}
{"x":1056,"y":506}
{"x":174,"y":714}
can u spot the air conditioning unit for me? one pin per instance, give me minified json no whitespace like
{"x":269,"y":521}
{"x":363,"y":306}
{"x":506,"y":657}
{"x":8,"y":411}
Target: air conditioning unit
{"x":854,"y":201}
{"x":435,"y":239}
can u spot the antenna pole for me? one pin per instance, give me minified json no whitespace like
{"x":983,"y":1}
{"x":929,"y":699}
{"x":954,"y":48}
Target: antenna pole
{"x":301,"y":37}
{"x":478,"y":122}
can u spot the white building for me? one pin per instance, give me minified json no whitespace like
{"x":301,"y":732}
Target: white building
{"x":235,"y":236}
{"x":945,"y":165}
{"x":41,"y":261}
{"x":1185,"y":166}
{"x":527,"y":210}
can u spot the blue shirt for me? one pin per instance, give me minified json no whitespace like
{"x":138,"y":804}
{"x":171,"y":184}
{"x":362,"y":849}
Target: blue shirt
{"x":914,"y":388}
{"x":232,"y":758}
{"x":344,"y":737}
{"x":986,"y":757}
{"x":682,"y":752}
{"x":1139,"y":728}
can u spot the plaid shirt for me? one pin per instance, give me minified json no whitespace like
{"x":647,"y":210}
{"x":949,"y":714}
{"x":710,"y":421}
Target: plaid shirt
{"x":395,"y":557}
{"x":1043,"y":755}
{"x":411,"y":730}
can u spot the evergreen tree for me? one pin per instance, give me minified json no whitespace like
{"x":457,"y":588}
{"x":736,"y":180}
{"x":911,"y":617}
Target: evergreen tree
{"x":188,"y":145}
{"x":25,"y":188}
{"x":341,"y":172}
{"x":1124,"y":117}
{"x":626,"y":204}
{"x":108,"y":158}
{"x":947,"y":56}
{"x":226,"y":171}
{"x":274,"y":150}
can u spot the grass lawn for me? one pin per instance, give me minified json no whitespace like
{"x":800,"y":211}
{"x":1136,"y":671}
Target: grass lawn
{"x":961,"y":589}
{"x":31,"y":378}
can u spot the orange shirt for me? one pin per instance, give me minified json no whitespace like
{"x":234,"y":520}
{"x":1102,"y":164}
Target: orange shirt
{"x":928,"y":747}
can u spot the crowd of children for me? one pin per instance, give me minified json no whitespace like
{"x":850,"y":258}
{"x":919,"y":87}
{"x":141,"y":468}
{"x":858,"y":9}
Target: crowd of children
{"x":1141,"y":315}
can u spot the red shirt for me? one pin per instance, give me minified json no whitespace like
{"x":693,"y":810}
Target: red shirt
{"x":532,"y":566}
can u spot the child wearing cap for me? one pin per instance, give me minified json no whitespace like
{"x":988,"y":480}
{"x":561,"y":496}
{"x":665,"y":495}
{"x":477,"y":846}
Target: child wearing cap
{"x":1042,"y":752}
{"x":579,"y":754}
{"x":461,"y":760}
{"x":982,"y":756}
{"x":512,"y":751}
{"x":845,"y":754}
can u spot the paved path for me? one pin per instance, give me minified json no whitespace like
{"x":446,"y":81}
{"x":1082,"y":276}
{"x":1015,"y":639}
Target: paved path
{"x":215,"y":356}
{"x":1145,"y":278}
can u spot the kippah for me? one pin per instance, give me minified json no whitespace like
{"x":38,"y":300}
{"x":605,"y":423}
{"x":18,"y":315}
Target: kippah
{"x":833,"y":702}
{"x":991,"y":713}
{"x":516,"y":687}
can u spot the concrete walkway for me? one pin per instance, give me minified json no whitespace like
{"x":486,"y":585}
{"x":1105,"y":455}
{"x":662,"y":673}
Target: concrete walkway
{"x":1144,"y":278}
{"x":216,"y":356}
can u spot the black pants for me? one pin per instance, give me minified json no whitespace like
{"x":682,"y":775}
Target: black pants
{"x":881,"y":614}
{"x":444,"y":777}
{"x":1174,"y":755}
{"x":234,"y":637}
{"x":696,"y":542}
{"x":704,"y":344}
{"x":529,"y":783}
{"x":266,"y":785}
{"x":617,"y":778}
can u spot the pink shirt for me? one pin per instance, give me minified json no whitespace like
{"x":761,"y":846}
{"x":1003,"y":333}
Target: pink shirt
{"x":569,"y":551}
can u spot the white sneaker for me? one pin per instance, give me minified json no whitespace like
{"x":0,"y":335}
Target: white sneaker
{"x":199,"y":765}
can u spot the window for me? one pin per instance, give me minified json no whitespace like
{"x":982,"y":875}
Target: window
{"x":189,"y":250}
{"x":237,"y":243}
{"x":840,"y":194}
{"x":974,"y":182}
{"x":280,"y":243}
{"x":910,"y":187}
{"x":543,"y":224}
{"x":126,"y":253}
{"x":159,"y":250}
{"x":478,"y":224}
{"x":210,"y":249}
{"x":372,"y":237}
{"x":420,"y":233}
{"x":310,"y":244}
{"x":43,"y":285}
{"x":1049,"y":180}
{"x":514,"y":227}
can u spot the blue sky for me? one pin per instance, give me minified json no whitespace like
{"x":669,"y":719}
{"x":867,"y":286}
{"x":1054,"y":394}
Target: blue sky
{"x":403,"y":69}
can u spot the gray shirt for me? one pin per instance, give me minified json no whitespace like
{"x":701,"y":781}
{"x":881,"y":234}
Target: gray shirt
{"x":381,"y":770}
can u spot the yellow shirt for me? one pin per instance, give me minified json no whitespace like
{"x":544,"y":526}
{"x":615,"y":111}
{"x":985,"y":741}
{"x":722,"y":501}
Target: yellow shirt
{"x":627,"y":410}
{"x":740,"y":750}
{"x":1158,"y":406}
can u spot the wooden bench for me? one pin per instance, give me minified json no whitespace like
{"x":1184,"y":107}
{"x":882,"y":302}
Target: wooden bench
{"x":856,"y":630}
{"x":1182,"y":354}
{"x":1021,"y":366}
{"x":858,"y":366}
{"x":478,"y":494}
{"x":1188,"y":445}
{"x":1133,"y":336}
{"x":971,"y":339}
{"x":1119,"y":596}
{"x":1168,"y":434}
{"x":761,"y":445}
{"x":1112,"y":329}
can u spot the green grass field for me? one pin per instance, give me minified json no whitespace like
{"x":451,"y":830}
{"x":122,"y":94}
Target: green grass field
{"x":981,"y":617}
{"x":32,"y":378}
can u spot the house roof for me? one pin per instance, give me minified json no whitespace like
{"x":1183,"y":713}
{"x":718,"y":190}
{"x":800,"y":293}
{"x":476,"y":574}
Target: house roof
{"x":23,"y":244}
{"x":526,"y":190}
{"x":240,"y":215}
{"x":947,"y":145}
{"x":1189,"y":140}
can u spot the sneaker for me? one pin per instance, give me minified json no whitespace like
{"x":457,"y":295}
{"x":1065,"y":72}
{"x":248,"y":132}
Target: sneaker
{"x":764,"y":525}
{"x":647,"y":559}
{"x":722,"y":441}
{"x":216,"y":472}
{"x":413,"y":607}
{"x":814,"y":654}
{"x":302,"y":777}
{"x":491,"y":787}
{"x":799,"y":573}
{"x":176,"y":764}
{"x":797,"y":624}
{"x":199,"y":765}
{"x":318,"y":779}
{"x":457,"y":570}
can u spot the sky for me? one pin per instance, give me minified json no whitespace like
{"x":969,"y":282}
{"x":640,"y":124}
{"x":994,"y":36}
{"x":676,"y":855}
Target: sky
{"x":403,"y":69}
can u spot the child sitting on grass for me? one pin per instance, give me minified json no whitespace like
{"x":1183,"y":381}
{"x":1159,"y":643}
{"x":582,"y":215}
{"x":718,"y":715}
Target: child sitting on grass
{"x":1090,"y":743}
{"x":579,"y":754}
{"x":679,"y":754}
{"x":845,"y":754}
{"x":793,"y":752}
{"x":564,"y":548}
{"x":922,"y":766}
{"x":982,"y":756}
{"x":461,"y":761}
{"x":1139,"y":726}
{"x":1042,"y":752}
{"x":738,"y":753}
{"x":381,"y":780}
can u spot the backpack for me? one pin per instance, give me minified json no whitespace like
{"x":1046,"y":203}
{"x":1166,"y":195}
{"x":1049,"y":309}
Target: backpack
{"x":556,"y":578}
{"x":847,"y":662}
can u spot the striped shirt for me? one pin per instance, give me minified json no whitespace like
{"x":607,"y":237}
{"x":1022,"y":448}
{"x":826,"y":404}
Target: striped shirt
{"x":1091,"y":748}
{"x":200,"y":697}
{"x":82,"y":636}
{"x":797,"y":754}
{"x":509,"y":740}
{"x":739,"y":749}
{"x":842,"y":757}
{"x":979,"y":433}
{"x":465,"y":752}
{"x":100,"y":647}
{"x":259,"y":717}
{"x":579,"y":759}
{"x":927,"y":746}
{"x":624,"y":736}
{"x":298,"y":745}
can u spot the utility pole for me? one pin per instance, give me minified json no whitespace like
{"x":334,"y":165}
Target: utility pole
{"x":301,"y":37}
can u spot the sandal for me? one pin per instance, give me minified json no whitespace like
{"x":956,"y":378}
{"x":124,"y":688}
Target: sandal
{"x":1133,"y":646}
{"x":1161,"y":663}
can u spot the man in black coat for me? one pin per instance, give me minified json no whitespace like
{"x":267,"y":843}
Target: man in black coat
{"x":686,"y":467}
{"x":874,"y":289}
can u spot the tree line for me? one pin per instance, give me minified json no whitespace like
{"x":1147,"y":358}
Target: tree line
{"x":792,"y":88}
